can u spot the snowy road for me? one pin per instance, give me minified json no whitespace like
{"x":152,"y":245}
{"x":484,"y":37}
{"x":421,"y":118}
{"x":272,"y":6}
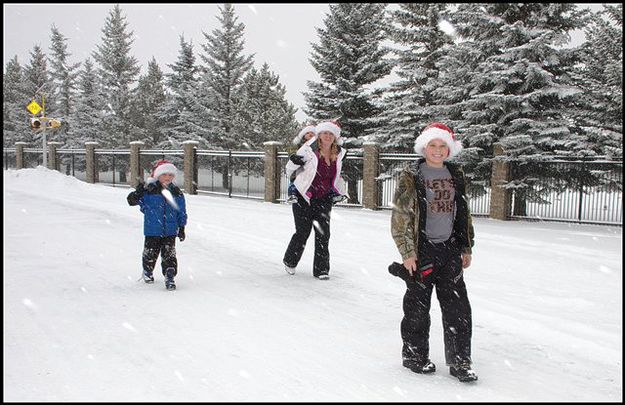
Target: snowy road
{"x":546,"y":300}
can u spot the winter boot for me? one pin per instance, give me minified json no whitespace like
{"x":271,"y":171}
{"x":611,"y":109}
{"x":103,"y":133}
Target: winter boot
{"x":323,"y":276}
{"x":420,"y":367}
{"x":463,"y":372}
{"x":148,"y":277}
{"x":170,"y":284}
{"x":289,"y":269}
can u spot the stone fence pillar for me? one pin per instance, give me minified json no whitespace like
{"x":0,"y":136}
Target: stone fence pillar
{"x":136,"y":172}
{"x":19,"y":154}
{"x":371,"y":169}
{"x":500,"y":198}
{"x":53,"y":161}
{"x":190,"y":166}
{"x":272,"y":172}
{"x":92,"y":169}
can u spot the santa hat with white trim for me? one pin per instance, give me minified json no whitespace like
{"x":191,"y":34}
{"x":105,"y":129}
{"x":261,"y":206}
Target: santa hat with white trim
{"x":331,"y":126}
{"x":298,"y":139}
{"x":163,"y":167}
{"x":437,"y":130}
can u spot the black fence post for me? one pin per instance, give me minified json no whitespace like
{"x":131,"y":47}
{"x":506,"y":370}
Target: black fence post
{"x":581,"y":192}
{"x":230,"y":177}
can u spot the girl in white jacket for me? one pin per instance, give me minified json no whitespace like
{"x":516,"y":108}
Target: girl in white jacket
{"x":318,"y":181}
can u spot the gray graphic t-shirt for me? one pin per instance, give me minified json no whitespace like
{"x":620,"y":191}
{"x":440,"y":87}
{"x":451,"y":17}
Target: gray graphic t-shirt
{"x":439,"y":192}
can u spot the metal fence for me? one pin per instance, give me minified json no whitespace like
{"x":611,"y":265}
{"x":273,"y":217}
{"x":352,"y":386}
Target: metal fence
{"x":9,"y":160}
{"x":585,"y":191}
{"x":575,"y":190}
{"x":231,"y":173}
{"x":73,"y":162}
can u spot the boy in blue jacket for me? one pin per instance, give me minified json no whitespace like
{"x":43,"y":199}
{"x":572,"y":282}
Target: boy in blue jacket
{"x":164,"y":217}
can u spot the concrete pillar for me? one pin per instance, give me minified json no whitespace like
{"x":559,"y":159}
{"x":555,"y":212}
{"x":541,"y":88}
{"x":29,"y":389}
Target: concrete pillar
{"x":272,"y":172}
{"x":19,"y":154}
{"x":136,"y":172}
{"x":92,"y":169}
{"x":53,"y":161}
{"x":370,"y":173}
{"x":190,"y":166}
{"x":500,"y":198}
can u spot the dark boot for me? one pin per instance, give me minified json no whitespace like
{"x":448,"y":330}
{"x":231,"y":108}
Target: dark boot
{"x":170,"y":284}
{"x":420,"y":367}
{"x":148,"y":276}
{"x":463,"y":372}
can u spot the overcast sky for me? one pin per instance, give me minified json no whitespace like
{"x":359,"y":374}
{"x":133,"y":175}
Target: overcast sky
{"x":278,"y":34}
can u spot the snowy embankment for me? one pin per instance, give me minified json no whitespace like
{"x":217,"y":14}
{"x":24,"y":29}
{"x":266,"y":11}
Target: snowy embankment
{"x":78,"y":326}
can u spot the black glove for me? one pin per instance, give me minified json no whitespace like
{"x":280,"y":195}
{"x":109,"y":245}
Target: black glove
{"x":134,"y":196}
{"x":181,"y":234}
{"x":297,"y":159}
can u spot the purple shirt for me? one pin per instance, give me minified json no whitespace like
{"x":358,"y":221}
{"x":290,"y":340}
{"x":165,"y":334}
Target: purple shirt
{"x":323,"y":182}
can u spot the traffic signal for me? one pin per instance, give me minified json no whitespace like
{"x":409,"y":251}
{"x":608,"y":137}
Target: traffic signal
{"x":40,"y":123}
{"x":35,"y":123}
{"x":54,"y":123}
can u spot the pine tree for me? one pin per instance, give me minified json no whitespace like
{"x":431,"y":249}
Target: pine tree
{"x":263,"y":113}
{"x":514,"y":87}
{"x":349,"y":58}
{"x":15,"y":116}
{"x":414,"y":26}
{"x":221,"y":82}
{"x":149,"y":100}
{"x":226,"y":66}
{"x":89,"y":122}
{"x":117,"y":71}
{"x":520,"y":87}
{"x":181,"y":121}
{"x":64,"y":77}
{"x":599,"y":112}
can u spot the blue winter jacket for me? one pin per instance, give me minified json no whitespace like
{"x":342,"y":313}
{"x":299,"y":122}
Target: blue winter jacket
{"x":159,"y":217}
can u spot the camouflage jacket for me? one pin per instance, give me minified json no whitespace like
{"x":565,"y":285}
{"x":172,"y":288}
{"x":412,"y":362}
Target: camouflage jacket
{"x":410,"y":209}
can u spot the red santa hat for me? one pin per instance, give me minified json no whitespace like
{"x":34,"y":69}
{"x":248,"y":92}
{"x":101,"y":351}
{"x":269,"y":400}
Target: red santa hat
{"x":298,"y":139}
{"x":436,"y":130}
{"x":331,"y":126}
{"x":163,"y":167}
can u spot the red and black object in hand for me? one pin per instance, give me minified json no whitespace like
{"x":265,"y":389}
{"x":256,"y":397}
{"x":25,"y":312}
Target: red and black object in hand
{"x":424,"y":270}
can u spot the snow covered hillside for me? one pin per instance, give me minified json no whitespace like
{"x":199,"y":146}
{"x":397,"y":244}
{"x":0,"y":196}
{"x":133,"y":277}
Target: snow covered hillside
{"x":78,"y":326}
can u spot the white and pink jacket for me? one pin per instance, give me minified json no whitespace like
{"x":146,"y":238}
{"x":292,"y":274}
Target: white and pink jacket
{"x":306,"y":174}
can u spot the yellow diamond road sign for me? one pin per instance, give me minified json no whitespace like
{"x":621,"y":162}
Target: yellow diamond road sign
{"x":34,"y":107}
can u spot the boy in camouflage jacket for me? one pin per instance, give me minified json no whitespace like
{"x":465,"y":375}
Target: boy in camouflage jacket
{"x":432,"y":228}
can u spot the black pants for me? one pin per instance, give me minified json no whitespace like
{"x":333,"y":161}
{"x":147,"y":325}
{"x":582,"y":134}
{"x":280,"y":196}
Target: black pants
{"x":166,"y":247}
{"x":452,"y":296}
{"x":318,"y":212}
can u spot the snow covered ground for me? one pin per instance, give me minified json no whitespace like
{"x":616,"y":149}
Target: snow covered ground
{"x":78,"y":326}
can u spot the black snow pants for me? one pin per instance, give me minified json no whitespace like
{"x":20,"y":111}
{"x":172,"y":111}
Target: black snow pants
{"x":306,"y":216}
{"x":451,"y":292}
{"x":166,"y":247}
